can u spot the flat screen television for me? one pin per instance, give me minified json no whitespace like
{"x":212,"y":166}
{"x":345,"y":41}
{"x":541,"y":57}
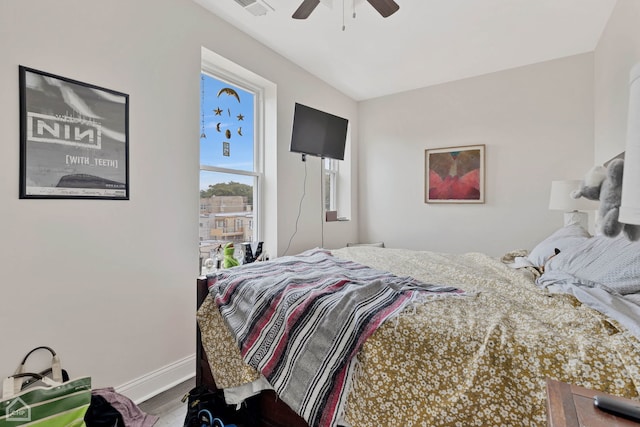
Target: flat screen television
{"x":318,"y":133}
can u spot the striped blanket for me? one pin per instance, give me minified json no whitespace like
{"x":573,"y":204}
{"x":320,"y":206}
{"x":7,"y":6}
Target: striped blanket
{"x":300,"y":320}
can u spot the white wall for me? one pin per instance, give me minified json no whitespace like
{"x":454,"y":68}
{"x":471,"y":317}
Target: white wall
{"x":110,"y":284}
{"x":537,"y":125}
{"x":617,"y":51}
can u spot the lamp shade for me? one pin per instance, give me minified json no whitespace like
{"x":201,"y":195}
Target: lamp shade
{"x":630,"y":204}
{"x":561,"y":200}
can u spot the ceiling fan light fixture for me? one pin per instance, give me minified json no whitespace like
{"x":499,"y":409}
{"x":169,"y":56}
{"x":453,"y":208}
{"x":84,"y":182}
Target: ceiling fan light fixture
{"x":385,"y":8}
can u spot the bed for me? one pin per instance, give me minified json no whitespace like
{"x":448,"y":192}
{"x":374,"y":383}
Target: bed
{"x":465,"y":339}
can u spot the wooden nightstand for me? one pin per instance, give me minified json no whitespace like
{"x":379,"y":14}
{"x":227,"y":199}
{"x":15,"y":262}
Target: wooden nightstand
{"x":572,"y":406}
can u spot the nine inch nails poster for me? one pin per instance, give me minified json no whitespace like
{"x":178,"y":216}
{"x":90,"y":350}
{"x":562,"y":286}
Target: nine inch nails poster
{"x":74,"y":139}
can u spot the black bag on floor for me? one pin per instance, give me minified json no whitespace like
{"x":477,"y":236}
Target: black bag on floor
{"x":102,"y":414}
{"x":206,"y":419}
{"x":207,"y":408}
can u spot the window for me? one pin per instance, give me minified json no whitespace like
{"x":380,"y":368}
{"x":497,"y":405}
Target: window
{"x":330,"y":171}
{"x":230,"y":170}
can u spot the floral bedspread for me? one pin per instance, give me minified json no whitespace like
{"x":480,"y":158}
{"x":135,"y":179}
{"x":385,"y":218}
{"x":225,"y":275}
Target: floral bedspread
{"x":480,"y":360}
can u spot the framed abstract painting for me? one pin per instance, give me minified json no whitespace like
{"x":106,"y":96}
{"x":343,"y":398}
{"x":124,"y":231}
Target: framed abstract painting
{"x":454,"y":174}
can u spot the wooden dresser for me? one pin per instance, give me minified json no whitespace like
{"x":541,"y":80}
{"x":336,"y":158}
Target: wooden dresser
{"x":572,"y":406}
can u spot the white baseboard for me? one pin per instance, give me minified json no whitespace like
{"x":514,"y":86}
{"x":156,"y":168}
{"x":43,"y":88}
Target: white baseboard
{"x":155,"y":382}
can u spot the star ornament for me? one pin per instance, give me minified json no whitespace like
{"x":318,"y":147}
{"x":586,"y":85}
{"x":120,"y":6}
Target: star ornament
{"x":240,"y":117}
{"x":218,"y":111}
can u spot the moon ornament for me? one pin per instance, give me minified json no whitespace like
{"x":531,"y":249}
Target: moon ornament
{"x":228,"y":134}
{"x":230,"y":92}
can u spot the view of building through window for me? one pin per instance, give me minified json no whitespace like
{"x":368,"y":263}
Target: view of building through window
{"x":228,"y":172}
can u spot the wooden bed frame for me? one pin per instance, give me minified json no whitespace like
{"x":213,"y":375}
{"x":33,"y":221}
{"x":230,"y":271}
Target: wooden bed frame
{"x":272,"y":412}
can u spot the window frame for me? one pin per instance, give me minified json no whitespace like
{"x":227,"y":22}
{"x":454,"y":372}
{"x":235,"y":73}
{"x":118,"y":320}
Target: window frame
{"x":330,"y":168}
{"x":219,"y":73}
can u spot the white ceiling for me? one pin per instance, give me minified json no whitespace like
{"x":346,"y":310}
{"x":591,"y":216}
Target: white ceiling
{"x":426,"y":42}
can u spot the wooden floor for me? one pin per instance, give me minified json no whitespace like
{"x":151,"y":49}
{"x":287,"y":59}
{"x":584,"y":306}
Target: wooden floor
{"x":168,"y":405}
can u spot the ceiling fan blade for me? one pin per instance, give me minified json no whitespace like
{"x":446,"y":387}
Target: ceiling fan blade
{"x":305,"y":9}
{"x":386,"y":8}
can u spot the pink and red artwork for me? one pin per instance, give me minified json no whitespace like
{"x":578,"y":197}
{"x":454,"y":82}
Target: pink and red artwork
{"x":454,"y":175}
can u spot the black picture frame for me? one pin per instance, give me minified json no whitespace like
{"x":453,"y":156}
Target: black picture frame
{"x":74,"y":139}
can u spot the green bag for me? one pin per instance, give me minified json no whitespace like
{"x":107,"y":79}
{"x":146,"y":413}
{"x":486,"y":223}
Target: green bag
{"x":45,"y":403}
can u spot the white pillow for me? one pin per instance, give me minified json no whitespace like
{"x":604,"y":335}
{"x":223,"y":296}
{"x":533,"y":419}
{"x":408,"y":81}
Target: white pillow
{"x":563,"y":239}
{"x":612,"y":263}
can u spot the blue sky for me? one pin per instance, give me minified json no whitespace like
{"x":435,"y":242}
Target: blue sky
{"x":226,"y":119}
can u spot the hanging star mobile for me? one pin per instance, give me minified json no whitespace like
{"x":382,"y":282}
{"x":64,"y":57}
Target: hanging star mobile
{"x":202,"y":135}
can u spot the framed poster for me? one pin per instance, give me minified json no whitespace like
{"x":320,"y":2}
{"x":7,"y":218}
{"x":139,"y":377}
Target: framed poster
{"x":454,"y":174}
{"x":74,"y":139}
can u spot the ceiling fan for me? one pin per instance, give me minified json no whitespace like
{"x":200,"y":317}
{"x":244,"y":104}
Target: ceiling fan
{"x":385,"y":8}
